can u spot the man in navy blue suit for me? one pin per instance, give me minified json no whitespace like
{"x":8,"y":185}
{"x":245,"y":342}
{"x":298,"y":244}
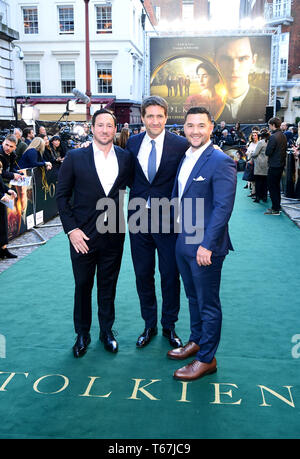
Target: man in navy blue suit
{"x":157,"y":154}
{"x":94,"y":175}
{"x":205,"y":186}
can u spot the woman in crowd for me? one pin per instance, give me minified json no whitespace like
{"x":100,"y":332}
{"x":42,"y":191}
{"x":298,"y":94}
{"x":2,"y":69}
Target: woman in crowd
{"x":253,"y":140}
{"x":33,"y":156}
{"x":49,"y":154}
{"x":6,"y":194}
{"x":124,"y":136}
{"x":261,"y":167}
{"x":55,"y":145}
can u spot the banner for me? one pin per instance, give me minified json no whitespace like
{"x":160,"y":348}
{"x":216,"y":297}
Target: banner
{"x":35,"y":202}
{"x":21,"y":217}
{"x":229,"y":76}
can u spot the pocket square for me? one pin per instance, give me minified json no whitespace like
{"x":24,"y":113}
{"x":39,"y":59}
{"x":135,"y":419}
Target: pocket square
{"x":199,"y":179}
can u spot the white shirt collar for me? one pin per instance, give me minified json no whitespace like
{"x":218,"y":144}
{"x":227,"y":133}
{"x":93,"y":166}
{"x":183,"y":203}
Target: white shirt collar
{"x":197,"y":153}
{"x":97,"y":150}
{"x":158,"y":140}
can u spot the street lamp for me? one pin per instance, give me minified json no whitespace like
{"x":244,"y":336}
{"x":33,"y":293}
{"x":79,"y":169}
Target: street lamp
{"x":87,"y":60}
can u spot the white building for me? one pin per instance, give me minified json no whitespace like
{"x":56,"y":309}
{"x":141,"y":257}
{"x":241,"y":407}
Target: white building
{"x":7,"y":35}
{"x":53,"y":42}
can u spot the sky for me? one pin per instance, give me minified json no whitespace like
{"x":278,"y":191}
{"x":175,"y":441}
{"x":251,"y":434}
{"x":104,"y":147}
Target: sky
{"x":225,"y":12}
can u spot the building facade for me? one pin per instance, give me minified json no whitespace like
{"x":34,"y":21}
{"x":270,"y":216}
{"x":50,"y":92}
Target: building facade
{"x":7,"y":35}
{"x":52,"y":36}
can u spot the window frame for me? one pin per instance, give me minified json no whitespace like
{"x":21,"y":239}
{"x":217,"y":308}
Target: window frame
{"x":59,"y":21}
{"x":30,"y":8}
{"x":33,"y":81}
{"x":108,"y":67}
{"x":104,"y":20}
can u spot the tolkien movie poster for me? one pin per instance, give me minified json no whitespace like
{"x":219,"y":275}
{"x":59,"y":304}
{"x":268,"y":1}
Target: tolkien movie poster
{"x":227,"y":75}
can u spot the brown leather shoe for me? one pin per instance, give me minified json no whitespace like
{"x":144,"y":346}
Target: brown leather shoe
{"x":184,"y":352}
{"x":195,"y":370}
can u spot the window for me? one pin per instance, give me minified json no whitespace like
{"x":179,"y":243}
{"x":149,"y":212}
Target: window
{"x":32,"y":71}
{"x":283,"y":69}
{"x":66,"y":19}
{"x":187,"y":10}
{"x":30,"y":20}
{"x":67,"y":72}
{"x":104,"y":19}
{"x":104,"y":77}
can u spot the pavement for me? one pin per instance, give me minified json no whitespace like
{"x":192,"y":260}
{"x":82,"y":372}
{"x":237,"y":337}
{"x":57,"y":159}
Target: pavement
{"x":26,"y":243}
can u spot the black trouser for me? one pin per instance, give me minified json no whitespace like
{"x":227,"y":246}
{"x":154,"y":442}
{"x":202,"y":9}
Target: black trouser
{"x":274,"y":177}
{"x":106,"y":258}
{"x":261,"y":187}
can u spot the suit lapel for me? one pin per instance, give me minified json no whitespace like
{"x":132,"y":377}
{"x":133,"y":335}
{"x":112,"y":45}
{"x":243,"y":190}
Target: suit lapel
{"x":120,"y":158}
{"x":198,"y":166}
{"x":93,"y":170}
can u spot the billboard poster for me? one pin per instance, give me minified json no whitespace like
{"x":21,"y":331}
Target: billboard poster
{"x":229,"y":76}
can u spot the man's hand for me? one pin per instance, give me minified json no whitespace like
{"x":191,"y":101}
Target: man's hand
{"x":203,"y":256}
{"x":78,"y":238}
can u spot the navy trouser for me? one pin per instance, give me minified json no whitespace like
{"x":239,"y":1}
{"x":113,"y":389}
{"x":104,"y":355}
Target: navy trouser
{"x":202,"y":286}
{"x":143,"y":251}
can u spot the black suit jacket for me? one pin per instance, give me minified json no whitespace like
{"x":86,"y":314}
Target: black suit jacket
{"x":78,"y":179}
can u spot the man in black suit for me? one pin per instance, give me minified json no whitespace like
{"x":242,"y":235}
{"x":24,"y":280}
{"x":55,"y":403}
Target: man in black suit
{"x":98,"y":172}
{"x":245,"y":103}
{"x":157,"y":154}
{"x":276,"y":153}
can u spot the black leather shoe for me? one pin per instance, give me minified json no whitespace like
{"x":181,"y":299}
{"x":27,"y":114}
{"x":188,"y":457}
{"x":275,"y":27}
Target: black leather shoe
{"x":109,"y":341}
{"x":146,"y":336}
{"x":81,"y":344}
{"x":174,"y":340}
{"x":5,"y":253}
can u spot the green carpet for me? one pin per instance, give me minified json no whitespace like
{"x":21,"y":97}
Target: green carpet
{"x":46,"y":393}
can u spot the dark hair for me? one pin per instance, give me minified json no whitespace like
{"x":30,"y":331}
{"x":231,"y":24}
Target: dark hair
{"x":101,"y":112}
{"x":26,"y":131}
{"x":210,"y":70}
{"x":264,"y":134}
{"x":196,"y":111}
{"x":154,"y":100}
{"x":11,"y":138}
{"x":275,"y":121}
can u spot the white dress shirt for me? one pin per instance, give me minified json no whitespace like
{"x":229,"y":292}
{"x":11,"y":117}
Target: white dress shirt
{"x":191,"y":157}
{"x":145,"y":148}
{"x":107,"y":167}
{"x":107,"y":170}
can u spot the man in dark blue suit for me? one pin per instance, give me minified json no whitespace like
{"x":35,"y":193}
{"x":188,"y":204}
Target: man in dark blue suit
{"x":157,"y":154}
{"x":98,"y":172}
{"x":205,"y":186}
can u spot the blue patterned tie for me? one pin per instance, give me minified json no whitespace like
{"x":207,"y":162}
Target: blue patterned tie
{"x":152,"y":162}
